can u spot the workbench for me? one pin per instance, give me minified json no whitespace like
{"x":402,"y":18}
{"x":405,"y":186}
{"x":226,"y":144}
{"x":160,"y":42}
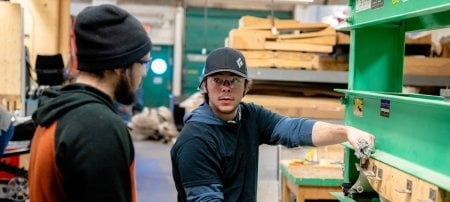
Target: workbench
{"x":310,"y":181}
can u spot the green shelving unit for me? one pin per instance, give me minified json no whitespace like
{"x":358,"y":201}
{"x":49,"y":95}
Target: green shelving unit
{"x":412,"y":131}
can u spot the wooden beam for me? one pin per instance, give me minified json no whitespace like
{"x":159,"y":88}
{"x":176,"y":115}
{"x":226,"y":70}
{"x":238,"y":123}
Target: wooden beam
{"x":49,"y":28}
{"x":321,"y":40}
{"x":11,"y":39}
{"x":427,"y":66}
{"x":328,"y":31}
{"x":248,"y":39}
{"x":251,"y":22}
{"x":298,"y":47}
{"x":281,"y":59}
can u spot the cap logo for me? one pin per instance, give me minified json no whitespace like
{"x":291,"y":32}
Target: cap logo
{"x":239,"y":62}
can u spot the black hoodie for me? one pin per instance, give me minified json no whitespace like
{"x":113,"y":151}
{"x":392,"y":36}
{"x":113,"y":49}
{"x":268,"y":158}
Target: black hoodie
{"x":81,"y":150}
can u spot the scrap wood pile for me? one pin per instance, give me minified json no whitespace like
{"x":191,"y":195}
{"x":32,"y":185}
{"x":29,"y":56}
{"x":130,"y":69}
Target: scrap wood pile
{"x":153,"y":124}
{"x":267,"y":42}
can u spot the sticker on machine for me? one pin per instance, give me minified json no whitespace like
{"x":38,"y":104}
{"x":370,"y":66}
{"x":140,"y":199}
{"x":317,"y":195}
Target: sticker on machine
{"x":385,"y":107}
{"x":377,"y":4}
{"x":362,"y":5}
{"x":358,"y":106}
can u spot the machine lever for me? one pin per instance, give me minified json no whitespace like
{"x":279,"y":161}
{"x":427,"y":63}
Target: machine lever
{"x":371,"y":175}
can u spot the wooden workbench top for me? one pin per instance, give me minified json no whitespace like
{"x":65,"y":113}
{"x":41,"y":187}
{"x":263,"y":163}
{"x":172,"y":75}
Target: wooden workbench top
{"x":312,"y":174}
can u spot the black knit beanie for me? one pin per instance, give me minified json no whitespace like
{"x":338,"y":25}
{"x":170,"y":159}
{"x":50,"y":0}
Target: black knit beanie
{"x":108,"y":37}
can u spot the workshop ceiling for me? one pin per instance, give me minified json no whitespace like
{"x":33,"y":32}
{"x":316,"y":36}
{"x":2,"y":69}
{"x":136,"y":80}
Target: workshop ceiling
{"x":229,"y":4}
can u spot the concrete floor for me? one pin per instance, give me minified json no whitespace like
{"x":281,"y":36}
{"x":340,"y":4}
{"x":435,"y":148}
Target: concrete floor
{"x":154,"y":171}
{"x":154,"y":177}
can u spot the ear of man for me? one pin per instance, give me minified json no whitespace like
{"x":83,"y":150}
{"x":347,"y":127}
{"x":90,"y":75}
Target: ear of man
{"x":202,"y":88}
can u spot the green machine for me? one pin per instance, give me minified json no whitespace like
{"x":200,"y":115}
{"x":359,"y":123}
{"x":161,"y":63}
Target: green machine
{"x":412,"y":131}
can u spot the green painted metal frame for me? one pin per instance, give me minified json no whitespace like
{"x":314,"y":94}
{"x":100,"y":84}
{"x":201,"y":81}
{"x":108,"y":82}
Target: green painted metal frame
{"x":399,"y":10}
{"x":340,"y":196}
{"x":415,"y":137}
{"x":310,"y":181}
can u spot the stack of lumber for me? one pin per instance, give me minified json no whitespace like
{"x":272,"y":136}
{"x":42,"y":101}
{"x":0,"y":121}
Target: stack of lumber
{"x":267,"y":42}
{"x":307,"y":107}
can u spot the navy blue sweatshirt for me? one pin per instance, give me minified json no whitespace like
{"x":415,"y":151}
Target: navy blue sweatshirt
{"x":216,"y":160}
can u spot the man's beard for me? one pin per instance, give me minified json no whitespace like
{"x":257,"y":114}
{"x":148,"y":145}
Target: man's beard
{"x":123,"y":92}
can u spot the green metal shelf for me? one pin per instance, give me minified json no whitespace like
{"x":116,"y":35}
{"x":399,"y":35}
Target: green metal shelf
{"x":411,"y":130}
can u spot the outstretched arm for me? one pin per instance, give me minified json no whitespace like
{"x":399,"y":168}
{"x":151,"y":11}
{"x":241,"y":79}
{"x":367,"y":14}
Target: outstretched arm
{"x":326,"y":134}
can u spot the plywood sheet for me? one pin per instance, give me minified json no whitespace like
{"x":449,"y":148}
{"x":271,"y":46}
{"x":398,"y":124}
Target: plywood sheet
{"x":298,"y":47}
{"x":281,"y":59}
{"x":11,"y":51}
{"x":321,"y":40}
{"x":328,"y":31}
{"x":248,"y":39}
{"x":322,"y":108}
{"x":342,"y":38}
{"x":427,"y":66}
{"x":251,"y":22}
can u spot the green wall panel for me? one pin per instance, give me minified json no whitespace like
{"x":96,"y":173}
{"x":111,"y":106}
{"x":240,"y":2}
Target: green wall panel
{"x":158,"y":87}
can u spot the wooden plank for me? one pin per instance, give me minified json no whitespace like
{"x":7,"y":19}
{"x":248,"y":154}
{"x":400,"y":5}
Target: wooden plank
{"x":321,"y":40}
{"x":427,"y":66}
{"x":312,"y":174}
{"x":251,"y":22}
{"x":326,"y":108}
{"x":297,"y":47}
{"x":333,"y":63}
{"x":51,"y":21}
{"x":65,"y":23}
{"x":281,"y":63}
{"x":281,"y":59}
{"x":316,"y":193}
{"x":422,"y":40}
{"x":295,"y":89}
{"x":11,"y":33}
{"x":248,"y":39}
{"x":342,"y":38}
{"x":11,"y":102}
{"x":328,"y":31}
{"x":445,"y":44}
{"x":292,"y":55}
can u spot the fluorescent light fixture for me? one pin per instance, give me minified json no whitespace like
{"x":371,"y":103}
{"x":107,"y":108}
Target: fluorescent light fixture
{"x":296,"y":1}
{"x":159,"y":66}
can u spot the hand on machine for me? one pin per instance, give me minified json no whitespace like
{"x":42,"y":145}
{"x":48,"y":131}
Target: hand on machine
{"x":364,"y":150}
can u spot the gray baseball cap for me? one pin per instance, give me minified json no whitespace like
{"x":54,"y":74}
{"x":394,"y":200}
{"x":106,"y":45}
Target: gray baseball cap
{"x":225,"y":60}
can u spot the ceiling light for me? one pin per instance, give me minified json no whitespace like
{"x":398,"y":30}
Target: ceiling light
{"x":296,"y":1}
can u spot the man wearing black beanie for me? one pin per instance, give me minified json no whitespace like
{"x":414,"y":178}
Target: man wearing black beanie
{"x":82,"y":150}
